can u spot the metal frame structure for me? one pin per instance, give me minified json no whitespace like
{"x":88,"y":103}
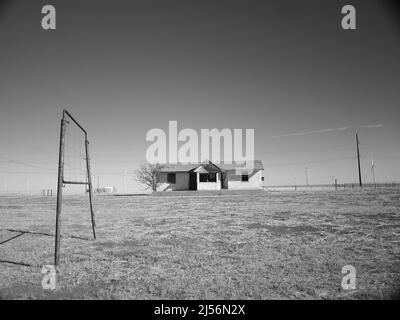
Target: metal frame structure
{"x":61,"y":182}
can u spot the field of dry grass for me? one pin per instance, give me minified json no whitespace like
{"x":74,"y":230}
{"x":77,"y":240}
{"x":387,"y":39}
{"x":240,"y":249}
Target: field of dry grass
{"x":221,"y":245}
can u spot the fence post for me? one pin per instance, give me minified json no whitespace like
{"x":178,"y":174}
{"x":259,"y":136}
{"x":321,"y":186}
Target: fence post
{"x":89,"y":177}
{"x":59,"y":192}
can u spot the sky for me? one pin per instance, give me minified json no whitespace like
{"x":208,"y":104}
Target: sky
{"x":286,"y":69}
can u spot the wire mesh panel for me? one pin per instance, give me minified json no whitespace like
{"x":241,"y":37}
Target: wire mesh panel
{"x":75,"y":169}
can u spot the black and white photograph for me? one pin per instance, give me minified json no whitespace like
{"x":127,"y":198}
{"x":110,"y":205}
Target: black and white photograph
{"x":215,"y":151}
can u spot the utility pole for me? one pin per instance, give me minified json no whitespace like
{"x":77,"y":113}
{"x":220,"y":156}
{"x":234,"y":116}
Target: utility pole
{"x":358,"y":161}
{"x":307,"y":176}
{"x":98,"y":183}
{"x":373,"y":172}
{"x":295,"y":183}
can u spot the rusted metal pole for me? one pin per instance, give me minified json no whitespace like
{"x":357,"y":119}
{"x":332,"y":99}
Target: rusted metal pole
{"x":59,"y":192}
{"x":89,"y":177}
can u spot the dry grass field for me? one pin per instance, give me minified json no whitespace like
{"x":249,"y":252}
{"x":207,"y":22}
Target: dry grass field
{"x":221,"y":245}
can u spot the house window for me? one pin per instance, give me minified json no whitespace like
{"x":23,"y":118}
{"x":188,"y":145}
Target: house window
{"x":212,"y":177}
{"x":245,"y":177}
{"x":208,"y":177}
{"x":171,"y":178}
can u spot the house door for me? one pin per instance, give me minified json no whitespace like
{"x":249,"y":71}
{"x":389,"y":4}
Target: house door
{"x":193,"y":181}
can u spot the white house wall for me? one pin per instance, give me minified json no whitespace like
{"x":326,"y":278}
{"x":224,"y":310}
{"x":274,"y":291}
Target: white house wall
{"x":254,"y":182}
{"x":209,"y":185}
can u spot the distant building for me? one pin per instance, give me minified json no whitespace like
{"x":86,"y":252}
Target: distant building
{"x":106,"y":190}
{"x":210,"y":176}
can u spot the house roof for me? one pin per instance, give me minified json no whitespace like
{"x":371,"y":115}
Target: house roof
{"x":182,"y":167}
{"x":209,"y":167}
{"x":258,"y":165}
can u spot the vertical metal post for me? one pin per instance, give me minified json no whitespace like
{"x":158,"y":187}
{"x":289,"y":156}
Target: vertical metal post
{"x":373,"y":172}
{"x":358,"y":161}
{"x":59,"y":192}
{"x":89,"y":177}
{"x":307,"y":176}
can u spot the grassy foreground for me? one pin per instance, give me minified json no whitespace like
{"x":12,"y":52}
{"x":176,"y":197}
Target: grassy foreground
{"x":221,"y":245}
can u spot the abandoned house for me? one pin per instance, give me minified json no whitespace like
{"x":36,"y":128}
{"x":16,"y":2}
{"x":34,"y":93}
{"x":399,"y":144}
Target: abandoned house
{"x":210,"y":176}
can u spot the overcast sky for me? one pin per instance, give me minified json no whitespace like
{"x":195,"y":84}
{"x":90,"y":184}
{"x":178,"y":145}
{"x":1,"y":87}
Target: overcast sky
{"x":124,"y":67}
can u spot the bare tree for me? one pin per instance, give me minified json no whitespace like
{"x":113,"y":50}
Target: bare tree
{"x":147,"y":175}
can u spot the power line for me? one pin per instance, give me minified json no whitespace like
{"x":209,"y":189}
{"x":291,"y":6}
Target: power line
{"x":28,"y":172}
{"x":22,"y":163}
{"x":307,"y":162}
{"x":306,"y":133}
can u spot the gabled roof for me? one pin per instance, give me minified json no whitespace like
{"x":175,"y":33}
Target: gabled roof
{"x":209,"y":166}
